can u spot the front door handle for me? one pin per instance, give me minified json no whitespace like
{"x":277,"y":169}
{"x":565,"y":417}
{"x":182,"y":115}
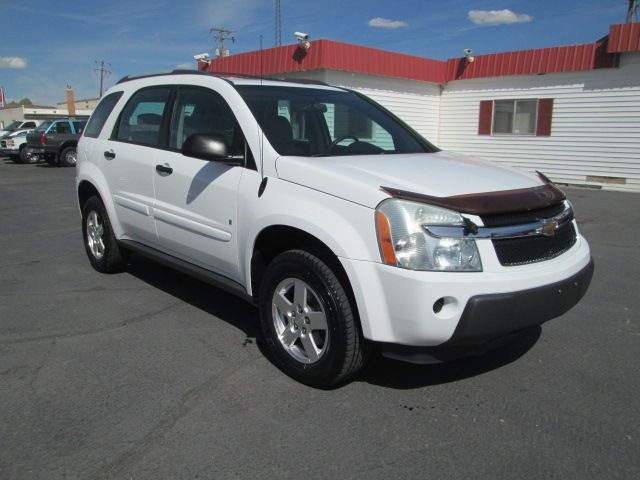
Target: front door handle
{"x":164,"y":169}
{"x":110,"y":155}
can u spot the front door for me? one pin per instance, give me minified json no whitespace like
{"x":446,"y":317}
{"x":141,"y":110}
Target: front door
{"x":196,"y":200}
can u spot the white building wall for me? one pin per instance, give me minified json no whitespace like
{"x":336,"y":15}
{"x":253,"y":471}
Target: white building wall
{"x":417,"y":103}
{"x":595,"y":129}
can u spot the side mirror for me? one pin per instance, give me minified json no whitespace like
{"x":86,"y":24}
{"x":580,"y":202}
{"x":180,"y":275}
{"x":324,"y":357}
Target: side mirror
{"x":208,"y":146}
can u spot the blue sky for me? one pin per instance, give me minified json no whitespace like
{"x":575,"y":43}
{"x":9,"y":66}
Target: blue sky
{"x":48,"y":44}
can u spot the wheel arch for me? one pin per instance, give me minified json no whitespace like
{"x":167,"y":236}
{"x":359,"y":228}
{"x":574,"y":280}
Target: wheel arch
{"x":71,"y":143}
{"x":90,"y":182}
{"x":276,"y":239}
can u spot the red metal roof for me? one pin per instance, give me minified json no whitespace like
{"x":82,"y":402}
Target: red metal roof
{"x":624,"y":38}
{"x":532,"y":62}
{"x":328,"y":54}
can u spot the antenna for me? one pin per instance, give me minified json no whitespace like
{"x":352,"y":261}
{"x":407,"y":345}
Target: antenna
{"x":632,"y":10}
{"x":263,"y":182}
{"x":221,"y":34}
{"x":278,"y":42}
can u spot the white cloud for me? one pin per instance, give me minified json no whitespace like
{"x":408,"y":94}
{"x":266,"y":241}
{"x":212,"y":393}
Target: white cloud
{"x":497,"y":17}
{"x":13,"y":62}
{"x":380,"y":22}
{"x":186,"y":66}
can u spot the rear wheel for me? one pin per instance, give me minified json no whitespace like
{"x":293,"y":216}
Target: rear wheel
{"x":100,"y":242}
{"x":68,"y":157}
{"x":309,"y":325}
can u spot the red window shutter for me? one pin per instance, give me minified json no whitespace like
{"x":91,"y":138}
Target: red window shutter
{"x":545,"y":112}
{"x":484,"y":122}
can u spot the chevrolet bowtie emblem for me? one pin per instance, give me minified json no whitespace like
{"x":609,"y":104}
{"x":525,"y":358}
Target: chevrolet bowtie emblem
{"x":549,"y":229}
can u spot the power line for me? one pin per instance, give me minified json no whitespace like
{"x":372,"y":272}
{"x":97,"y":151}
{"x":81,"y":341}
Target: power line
{"x":221,"y":34}
{"x":278,"y":24}
{"x":103,"y":72}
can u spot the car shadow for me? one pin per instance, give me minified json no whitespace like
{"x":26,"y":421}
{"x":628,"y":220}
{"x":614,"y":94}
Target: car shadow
{"x":379,"y":370}
{"x":212,"y":300}
{"x":395,"y":374}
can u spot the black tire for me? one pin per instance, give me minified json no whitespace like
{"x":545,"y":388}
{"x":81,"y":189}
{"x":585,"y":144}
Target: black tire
{"x":68,"y":157}
{"x":112,"y":258}
{"x":27,"y":157}
{"x":344,"y":353}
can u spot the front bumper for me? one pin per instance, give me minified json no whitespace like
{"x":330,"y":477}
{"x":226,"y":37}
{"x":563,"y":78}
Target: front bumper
{"x":9,"y":151}
{"x":428,"y":309}
{"x":490,"y":321}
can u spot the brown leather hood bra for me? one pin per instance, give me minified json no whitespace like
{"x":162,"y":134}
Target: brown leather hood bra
{"x":490,"y":203}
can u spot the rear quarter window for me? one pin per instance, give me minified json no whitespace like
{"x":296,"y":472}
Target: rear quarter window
{"x":100,"y":114}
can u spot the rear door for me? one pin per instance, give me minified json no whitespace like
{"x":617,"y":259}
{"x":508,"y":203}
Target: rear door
{"x":196,"y":200}
{"x":128,"y":160}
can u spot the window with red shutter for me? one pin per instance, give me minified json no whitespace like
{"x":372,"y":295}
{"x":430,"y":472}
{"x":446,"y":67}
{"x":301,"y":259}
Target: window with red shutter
{"x":516,"y":117}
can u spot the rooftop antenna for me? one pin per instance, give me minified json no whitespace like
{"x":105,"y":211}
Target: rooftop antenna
{"x":278,"y":42}
{"x":633,"y":9}
{"x":221,"y":34}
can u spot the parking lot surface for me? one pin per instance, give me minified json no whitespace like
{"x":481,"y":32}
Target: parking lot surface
{"x":149,"y":374}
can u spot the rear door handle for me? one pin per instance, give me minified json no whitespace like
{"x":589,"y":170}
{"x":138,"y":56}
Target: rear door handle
{"x":164,"y":169}
{"x":110,"y":155}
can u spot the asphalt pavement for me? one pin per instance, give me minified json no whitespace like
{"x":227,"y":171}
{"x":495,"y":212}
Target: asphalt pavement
{"x":149,"y":374}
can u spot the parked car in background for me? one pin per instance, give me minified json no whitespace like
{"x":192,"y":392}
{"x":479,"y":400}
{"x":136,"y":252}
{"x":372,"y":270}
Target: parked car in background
{"x":55,"y":142}
{"x":19,"y":125}
{"x":14,"y":145}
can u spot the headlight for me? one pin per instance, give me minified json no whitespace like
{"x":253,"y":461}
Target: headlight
{"x":404,"y":242}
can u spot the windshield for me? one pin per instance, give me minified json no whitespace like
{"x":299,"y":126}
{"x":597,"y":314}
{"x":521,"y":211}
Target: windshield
{"x":313,"y":122}
{"x":13,"y":126}
{"x":43,"y":126}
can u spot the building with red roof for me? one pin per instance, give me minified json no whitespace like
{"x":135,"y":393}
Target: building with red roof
{"x":572,"y":112}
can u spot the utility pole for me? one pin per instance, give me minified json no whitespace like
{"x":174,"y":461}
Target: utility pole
{"x":103,"y":72}
{"x":633,"y":8}
{"x":221,"y":34}
{"x":278,"y":25}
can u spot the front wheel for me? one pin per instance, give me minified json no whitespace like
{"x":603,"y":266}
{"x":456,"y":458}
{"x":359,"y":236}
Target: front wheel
{"x":27,"y":156}
{"x":310,"y":328}
{"x":100,"y":242}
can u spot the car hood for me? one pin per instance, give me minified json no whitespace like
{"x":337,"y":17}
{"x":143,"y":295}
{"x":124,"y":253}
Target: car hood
{"x":441,"y":174}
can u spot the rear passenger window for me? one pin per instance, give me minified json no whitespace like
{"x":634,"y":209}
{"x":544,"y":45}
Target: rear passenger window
{"x":78,"y":126}
{"x":141,"y":119}
{"x":29,"y":125}
{"x":63,"y":128}
{"x":100,"y":114}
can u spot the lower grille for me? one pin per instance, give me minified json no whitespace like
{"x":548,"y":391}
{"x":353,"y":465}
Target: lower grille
{"x":523,"y":250}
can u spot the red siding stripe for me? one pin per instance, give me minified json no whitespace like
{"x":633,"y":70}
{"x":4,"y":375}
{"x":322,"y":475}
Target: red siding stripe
{"x":545,"y":114}
{"x":484,"y":119}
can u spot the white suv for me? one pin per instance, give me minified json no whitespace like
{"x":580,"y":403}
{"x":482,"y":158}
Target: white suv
{"x":343,"y":225}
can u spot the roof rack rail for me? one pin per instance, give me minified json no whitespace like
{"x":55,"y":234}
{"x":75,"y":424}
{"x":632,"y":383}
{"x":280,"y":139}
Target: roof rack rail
{"x":221,"y":74}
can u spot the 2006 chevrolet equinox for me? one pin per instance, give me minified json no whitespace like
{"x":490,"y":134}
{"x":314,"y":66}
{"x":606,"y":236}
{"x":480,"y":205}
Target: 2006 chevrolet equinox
{"x":341,"y":223}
